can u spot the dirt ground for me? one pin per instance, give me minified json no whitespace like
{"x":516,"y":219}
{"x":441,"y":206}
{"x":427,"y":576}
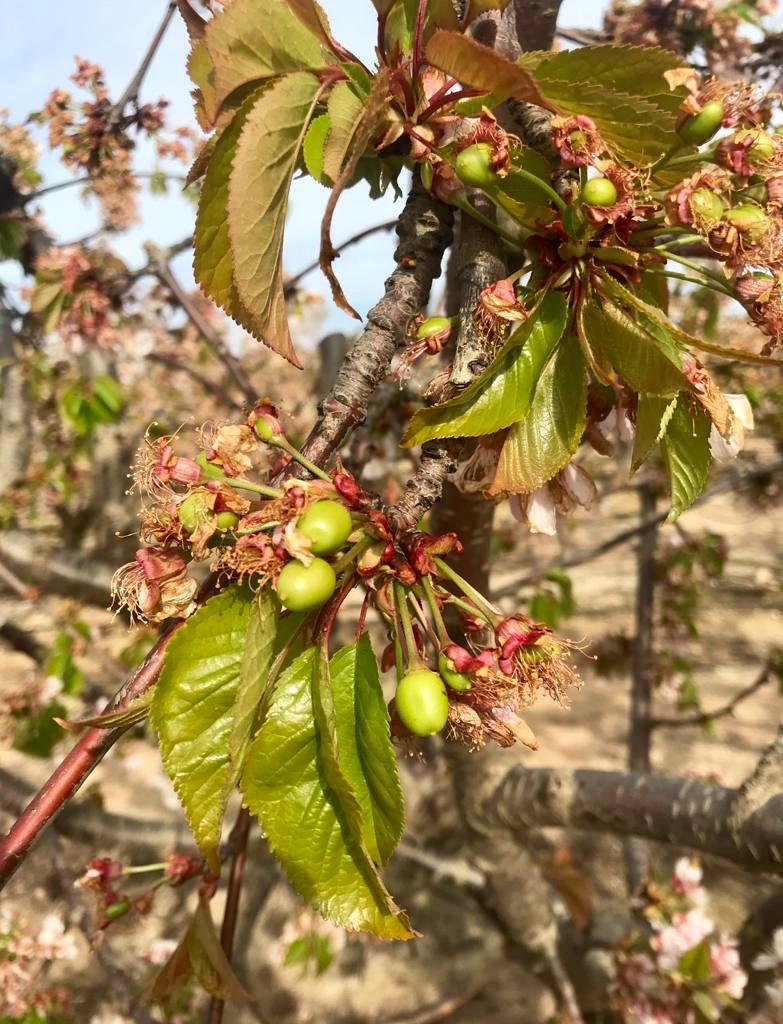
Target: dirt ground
{"x":461,"y":971}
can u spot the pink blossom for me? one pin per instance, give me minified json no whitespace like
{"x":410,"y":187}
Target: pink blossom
{"x":725,"y":965}
{"x":674,"y":940}
{"x":687,"y":876}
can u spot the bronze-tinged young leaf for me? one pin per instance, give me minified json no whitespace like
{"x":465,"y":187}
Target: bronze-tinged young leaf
{"x":637,"y":358}
{"x":198,"y":954}
{"x":252,"y":42}
{"x":261,"y":174}
{"x":214,"y":673}
{"x":482,"y":68}
{"x":349,"y":151}
{"x":477,"y":7}
{"x":541,"y":444}
{"x":366,"y":754}
{"x":295,"y":784}
{"x":686,"y":455}
{"x":653,"y":415}
{"x":314,"y":18}
{"x":441,"y":14}
{"x":503,"y":393}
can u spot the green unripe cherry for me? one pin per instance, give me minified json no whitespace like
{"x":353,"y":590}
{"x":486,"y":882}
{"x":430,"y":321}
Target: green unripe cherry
{"x":327,"y":524}
{"x":264,"y":429}
{"x":763,"y":147}
{"x":702,"y":126}
{"x":304,"y":587}
{"x":193,"y":511}
{"x":706,"y":205}
{"x":474,"y":168}
{"x":599,"y":192}
{"x":209,"y":471}
{"x":421,"y":702}
{"x":433,"y":325}
{"x":748,"y":219}
{"x":456,"y":680}
{"x":427,"y":175}
{"x":117,"y":909}
{"x":227,"y":520}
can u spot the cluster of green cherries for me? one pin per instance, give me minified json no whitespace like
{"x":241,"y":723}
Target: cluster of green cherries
{"x":474,"y":168}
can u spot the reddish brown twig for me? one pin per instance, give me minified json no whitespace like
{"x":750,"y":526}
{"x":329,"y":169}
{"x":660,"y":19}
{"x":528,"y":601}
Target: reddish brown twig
{"x":77,"y":766}
{"x":238,"y":844}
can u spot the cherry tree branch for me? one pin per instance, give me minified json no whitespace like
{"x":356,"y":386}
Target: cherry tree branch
{"x":424,"y":232}
{"x":77,"y":765}
{"x":238,"y":846}
{"x":131,"y":94}
{"x":159,"y":264}
{"x":706,"y":717}
{"x":686,"y":813}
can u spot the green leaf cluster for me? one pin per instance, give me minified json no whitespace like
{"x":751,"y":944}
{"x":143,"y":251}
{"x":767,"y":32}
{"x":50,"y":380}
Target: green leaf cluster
{"x":306,"y":740}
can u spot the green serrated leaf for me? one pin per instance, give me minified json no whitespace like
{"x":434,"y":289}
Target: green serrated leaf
{"x":503,"y":393}
{"x":636,"y":357}
{"x":621,"y":88}
{"x":212,"y":262}
{"x":313,"y":149}
{"x":482,"y":68}
{"x":366,"y":754}
{"x":686,"y":455}
{"x":213,"y":676}
{"x":251,"y":42}
{"x":294,"y":783}
{"x":345,"y":115}
{"x":541,"y":444}
{"x":261,"y":174}
{"x":653,"y":415}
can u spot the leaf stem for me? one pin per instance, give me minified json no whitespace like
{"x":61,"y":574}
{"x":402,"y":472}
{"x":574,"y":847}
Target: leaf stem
{"x":248,"y":485}
{"x":463,"y":204}
{"x":432,"y":602}
{"x":411,"y":654}
{"x":283,"y":443}
{"x":691,"y":280}
{"x":490,"y":612}
{"x":543,"y":187}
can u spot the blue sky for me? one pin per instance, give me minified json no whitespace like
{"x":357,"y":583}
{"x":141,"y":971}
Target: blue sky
{"x":37,"y":46}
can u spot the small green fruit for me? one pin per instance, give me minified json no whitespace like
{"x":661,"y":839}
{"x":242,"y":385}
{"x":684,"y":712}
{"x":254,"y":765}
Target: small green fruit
{"x":599,"y":192}
{"x":422,"y":702}
{"x":748,"y":219}
{"x":209,"y":471}
{"x":264,"y":429}
{"x":433,"y":325}
{"x":456,"y":680}
{"x":328,"y":525}
{"x":193,"y":511}
{"x":702,"y":126}
{"x":304,"y":587}
{"x":706,"y":205}
{"x":427,"y":175}
{"x":763,"y":147}
{"x":118,"y":909}
{"x":474,"y":169}
{"x":227,"y":520}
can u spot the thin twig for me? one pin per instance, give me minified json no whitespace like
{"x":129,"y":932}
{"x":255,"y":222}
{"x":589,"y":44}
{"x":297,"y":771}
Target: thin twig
{"x":443,"y":1010}
{"x":627,"y":535}
{"x":131,"y":94}
{"x":210,"y":386}
{"x":291,"y":283}
{"x":73,"y":182}
{"x":238,"y":844}
{"x":160,"y":267}
{"x":20,"y":640}
{"x":706,"y":717}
